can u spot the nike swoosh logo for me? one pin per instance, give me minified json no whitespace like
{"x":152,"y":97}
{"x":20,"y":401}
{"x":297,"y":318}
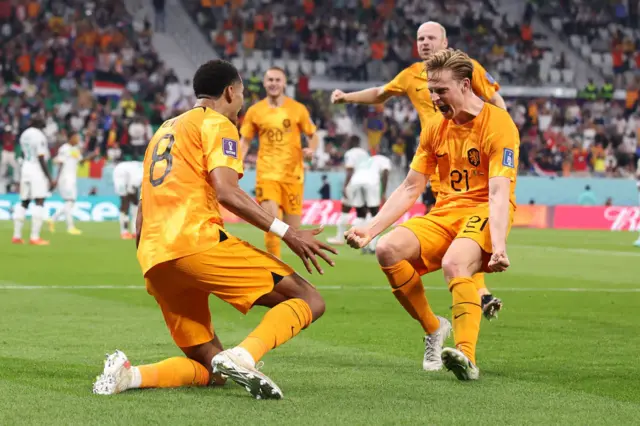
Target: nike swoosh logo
{"x":420,"y":88}
{"x":441,"y":155}
{"x":458,"y":316}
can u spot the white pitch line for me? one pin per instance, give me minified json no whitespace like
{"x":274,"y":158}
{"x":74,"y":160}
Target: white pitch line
{"x":576,"y":250}
{"x":330,"y":287}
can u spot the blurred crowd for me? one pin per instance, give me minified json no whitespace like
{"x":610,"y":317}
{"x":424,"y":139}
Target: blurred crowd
{"x":368,"y":39}
{"x":85,"y":66}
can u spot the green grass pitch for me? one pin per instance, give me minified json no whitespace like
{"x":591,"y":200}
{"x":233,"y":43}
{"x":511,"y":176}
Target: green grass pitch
{"x":565,"y":349}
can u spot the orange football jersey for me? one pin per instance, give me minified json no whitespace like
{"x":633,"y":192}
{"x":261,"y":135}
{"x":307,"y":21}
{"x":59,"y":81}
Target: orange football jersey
{"x":279,"y":131}
{"x":468,"y":155}
{"x":412,"y":82}
{"x":181,"y":215}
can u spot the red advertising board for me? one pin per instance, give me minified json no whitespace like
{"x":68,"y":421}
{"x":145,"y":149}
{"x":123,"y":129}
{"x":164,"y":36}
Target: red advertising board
{"x":614,"y":218}
{"x":327,"y":212}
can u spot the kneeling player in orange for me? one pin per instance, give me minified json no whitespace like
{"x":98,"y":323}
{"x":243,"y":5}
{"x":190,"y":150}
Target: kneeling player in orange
{"x":191,"y":167}
{"x":279,"y":121}
{"x":475,"y":147}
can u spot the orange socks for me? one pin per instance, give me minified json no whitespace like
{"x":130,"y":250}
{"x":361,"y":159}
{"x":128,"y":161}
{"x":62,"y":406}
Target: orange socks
{"x":408,"y":289}
{"x":279,"y":324}
{"x":478,"y":280}
{"x":272,"y":243}
{"x":466,"y":313}
{"x":172,"y":373}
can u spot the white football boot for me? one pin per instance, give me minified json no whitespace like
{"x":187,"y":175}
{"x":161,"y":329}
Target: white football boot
{"x":238,"y":366}
{"x":433,"y":346}
{"x":117,"y":375}
{"x":457,"y":362}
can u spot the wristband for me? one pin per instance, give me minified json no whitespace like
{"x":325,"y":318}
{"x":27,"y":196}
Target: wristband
{"x":278,"y":227}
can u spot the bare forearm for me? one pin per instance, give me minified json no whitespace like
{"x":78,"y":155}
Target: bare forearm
{"x":245,"y":147}
{"x":398,"y":204}
{"x":241,"y":204}
{"x":138,"y":225}
{"x":313,"y":142}
{"x":375,"y":95}
{"x":499,"y":219}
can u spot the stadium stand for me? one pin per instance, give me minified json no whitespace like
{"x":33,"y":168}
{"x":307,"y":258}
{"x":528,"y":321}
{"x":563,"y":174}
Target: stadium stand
{"x":88,"y":67}
{"x":606,"y":33}
{"x":361,"y":41}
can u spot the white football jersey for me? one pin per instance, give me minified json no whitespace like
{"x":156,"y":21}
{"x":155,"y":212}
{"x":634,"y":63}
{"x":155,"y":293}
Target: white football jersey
{"x":33,"y":143}
{"x":370,"y":171}
{"x":354,"y":157}
{"x":69,"y":158}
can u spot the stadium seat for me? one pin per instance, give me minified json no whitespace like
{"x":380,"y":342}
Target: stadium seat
{"x":320,"y":67}
{"x":306,"y":66}
{"x":567,"y":76}
{"x":238,"y":62}
{"x":251,"y":65}
{"x":554,"y":76}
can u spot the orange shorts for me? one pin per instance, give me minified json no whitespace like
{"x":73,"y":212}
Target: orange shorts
{"x":437,"y":230}
{"x":233,"y":270}
{"x":288,"y":196}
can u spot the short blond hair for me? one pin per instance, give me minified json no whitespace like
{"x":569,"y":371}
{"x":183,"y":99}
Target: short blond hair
{"x":456,"y":61}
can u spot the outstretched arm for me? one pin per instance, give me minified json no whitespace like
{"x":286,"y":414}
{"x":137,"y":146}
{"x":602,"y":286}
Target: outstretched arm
{"x":374,"y":95}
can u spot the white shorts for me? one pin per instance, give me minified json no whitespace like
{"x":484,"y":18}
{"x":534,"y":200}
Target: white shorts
{"x":124,"y":186}
{"x":359,"y":195}
{"x":33,"y":187}
{"x":68,"y":190}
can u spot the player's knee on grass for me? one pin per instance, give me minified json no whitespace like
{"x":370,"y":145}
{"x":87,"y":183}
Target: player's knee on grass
{"x":399,"y":244}
{"x":463,"y":259}
{"x":203,"y":354}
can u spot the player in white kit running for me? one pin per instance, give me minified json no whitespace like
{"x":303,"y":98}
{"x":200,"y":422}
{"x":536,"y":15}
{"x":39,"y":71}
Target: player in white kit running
{"x":366,"y":190}
{"x":35,"y":182}
{"x":69,"y":157}
{"x":354,"y":156}
{"x":127,"y":179}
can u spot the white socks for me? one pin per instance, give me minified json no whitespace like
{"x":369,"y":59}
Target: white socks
{"x":37,"y":216}
{"x":68,"y":210}
{"x":136,"y":378}
{"x":342,"y":224}
{"x":19,"y":214}
{"x":132,"y":224}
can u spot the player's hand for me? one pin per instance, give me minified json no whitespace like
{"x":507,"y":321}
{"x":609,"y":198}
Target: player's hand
{"x":358,"y":237}
{"x":308,"y":153}
{"x":499,"y":261}
{"x":338,"y":97}
{"x":303,"y":243}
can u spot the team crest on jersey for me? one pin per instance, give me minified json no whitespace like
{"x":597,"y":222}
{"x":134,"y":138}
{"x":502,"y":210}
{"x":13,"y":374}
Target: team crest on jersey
{"x":286,"y":123}
{"x":230,"y":147}
{"x":474,"y":157}
{"x":508,"y":159}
